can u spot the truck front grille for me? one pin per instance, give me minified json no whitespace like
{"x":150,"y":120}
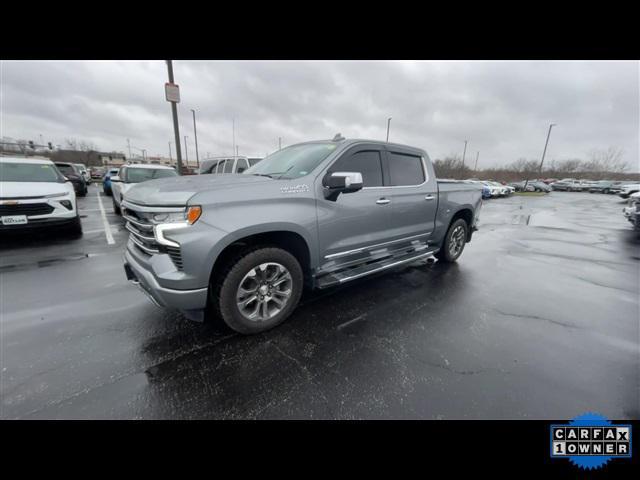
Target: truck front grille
{"x":141,"y":233}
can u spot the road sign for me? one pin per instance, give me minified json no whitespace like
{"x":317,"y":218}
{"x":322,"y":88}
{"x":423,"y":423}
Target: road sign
{"x":172,"y":92}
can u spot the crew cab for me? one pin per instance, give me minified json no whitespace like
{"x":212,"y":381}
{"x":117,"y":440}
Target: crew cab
{"x":241,"y":247}
{"x":35,"y":195}
{"x":129,"y":175}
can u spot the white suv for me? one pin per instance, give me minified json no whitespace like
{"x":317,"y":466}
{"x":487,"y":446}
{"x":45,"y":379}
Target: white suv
{"x":34,"y":194}
{"x":129,"y":175}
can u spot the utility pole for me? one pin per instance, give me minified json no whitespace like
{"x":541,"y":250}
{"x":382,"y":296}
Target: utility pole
{"x":388,"y":125}
{"x":233,"y":133}
{"x":129,"y":147}
{"x":170,"y":159}
{"x":463,"y":155}
{"x":195,"y":134}
{"x":174,"y":113}
{"x":186,"y":152}
{"x":475,"y":169}
{"x":237,"y":147}
{"x":543,"y":154}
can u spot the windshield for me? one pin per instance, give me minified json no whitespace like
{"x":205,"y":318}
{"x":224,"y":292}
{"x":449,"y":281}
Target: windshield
{"x":136,"y":175}
{"x":66,"y":169}
{"x":29,"y":172}
{"x":292,"y":162}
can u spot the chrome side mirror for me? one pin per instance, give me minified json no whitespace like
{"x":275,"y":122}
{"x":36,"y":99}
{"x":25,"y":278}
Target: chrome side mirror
{"x":336,"y":183}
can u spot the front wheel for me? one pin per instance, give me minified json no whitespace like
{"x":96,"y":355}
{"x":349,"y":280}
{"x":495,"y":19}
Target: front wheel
{"x":454,"y":242}
{"x":258,"y":290}
{"x":116,"y":208}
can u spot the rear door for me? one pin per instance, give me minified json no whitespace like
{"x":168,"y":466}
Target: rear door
{"x":355,"y":222}
{"x":414,"y":195}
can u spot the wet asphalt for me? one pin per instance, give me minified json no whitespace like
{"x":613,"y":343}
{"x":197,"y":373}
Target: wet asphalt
{"x":539,"y":319}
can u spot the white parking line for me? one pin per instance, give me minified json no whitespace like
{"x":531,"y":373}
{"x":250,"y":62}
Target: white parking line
{"x":107,"y":228}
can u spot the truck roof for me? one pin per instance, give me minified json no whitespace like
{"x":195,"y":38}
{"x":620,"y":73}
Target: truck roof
{"x":350,"y":141}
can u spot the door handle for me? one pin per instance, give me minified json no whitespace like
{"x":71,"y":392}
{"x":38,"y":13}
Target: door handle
{"x":383,"y":201}
{"x":429,"y":197}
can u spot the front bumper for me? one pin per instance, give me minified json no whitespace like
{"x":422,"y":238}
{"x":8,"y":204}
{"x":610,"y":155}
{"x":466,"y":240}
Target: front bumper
{"x":190,"y":302}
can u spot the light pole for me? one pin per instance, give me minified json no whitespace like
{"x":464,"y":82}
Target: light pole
{"x":129,"y":147}
{"x":186,"y":152}
{"x":476,"y":166}
{"x":388,"y":125}
{"x":170,"y":159}
{"x":463,"y":155}
{"x":174,"y":113}
{"x":233,"y":133}
{"x":543,"y":154}
{"x":237,"y":147}
{"x":195,"y":134}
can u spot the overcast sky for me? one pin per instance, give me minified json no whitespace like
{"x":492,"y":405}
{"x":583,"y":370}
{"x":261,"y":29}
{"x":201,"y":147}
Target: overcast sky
{"x":503,"y":108}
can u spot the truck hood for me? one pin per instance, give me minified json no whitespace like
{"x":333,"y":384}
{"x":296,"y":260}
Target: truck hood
{"x":32,"y":189}
{"x":176,"y":191}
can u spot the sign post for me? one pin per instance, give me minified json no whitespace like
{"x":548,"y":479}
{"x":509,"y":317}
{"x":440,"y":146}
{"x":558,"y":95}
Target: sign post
{"x":172,"y":95}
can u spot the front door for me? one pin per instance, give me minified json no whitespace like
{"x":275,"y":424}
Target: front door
{"x":354,"y":221}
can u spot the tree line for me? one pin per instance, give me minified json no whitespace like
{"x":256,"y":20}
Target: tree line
{"x":600,"y":164}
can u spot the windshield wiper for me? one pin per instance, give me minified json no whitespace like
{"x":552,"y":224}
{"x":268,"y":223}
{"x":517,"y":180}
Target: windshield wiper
{"x":264,"y":175}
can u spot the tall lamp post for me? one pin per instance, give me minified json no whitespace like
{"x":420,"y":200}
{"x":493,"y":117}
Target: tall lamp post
{"x":195,"y":134}
{"x":463,"y":155}
{"x":170,"y":159}
{"x":475,"y":168}
{"x":388,"y":126}
{"x":186,"y":153}
{"x":544,"y":152}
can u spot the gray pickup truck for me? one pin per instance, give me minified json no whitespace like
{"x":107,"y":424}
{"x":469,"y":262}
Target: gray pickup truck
{"x":242,"y":247}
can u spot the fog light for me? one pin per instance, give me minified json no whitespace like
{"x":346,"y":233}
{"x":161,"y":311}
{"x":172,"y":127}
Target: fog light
{"x":66,"y":204}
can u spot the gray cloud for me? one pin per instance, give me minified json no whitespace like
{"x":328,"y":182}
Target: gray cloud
{"x":503,"y":108}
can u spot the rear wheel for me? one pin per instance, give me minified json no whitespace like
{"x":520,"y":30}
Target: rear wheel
{"x":454,"y":242}
{"x":258,"y":290}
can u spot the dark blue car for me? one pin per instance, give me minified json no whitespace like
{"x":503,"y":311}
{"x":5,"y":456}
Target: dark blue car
{"x":106,"y":180}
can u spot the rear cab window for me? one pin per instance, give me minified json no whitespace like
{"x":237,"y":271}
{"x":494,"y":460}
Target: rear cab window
{"x":405,"y":169}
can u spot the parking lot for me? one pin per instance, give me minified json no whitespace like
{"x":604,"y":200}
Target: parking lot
{"x":538,"y":319}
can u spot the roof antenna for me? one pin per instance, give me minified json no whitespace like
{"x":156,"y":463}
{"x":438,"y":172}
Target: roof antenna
{"x":338,"y":138}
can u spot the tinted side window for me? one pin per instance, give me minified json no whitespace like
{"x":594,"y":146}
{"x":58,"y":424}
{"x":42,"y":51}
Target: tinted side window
{"x":405,"y":169}
{"x":228,"y":166}
{"x":241,"y":166}
{"x":220,"y":166}
{"x":368,"y":163}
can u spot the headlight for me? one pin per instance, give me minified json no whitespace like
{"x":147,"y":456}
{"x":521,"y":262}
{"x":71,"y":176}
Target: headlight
{"x":190,"y":216}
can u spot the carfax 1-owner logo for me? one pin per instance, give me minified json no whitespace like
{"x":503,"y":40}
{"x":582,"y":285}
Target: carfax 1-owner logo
{"x":589,"y":441}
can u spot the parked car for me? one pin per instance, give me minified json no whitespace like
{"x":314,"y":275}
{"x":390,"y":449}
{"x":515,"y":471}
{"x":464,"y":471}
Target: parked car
{"x":84,"y":172}
{"x":604,"y":186}
{"x":70,"y":171}
{"x":35,"y":194}
{"x":106,"y":180}
{"x":627,"y":190}
{"x":220,"y":165}
{"x":129,"y":175}
{"x":519,"y":186}
{"x":97,"y":173}
{"x":316,"y":214}
{"x":632,"y":210}
{"x":503,"y":190}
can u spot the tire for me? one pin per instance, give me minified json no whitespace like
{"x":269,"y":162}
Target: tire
{"x":116,"y":208}
{"x":75,"y":229}
{"x":445,"y":254}
{"x":246,"y":270}
{"x":107,"y":191}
